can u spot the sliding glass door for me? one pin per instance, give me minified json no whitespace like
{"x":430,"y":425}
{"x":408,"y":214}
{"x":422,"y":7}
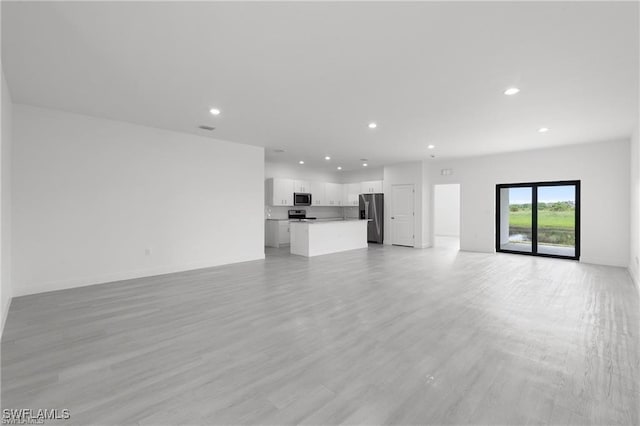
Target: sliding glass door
{"x":557,"y":220}
{"x":516,"y":219}
{"x":541,"y":218}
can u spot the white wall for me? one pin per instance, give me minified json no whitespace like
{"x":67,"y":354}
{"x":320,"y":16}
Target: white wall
{"x":405,"y":173}
{"x":634,"y":250}
{"x":603,"y":169}
{"x":427,"y":200}
{"x":5,"y":204}
{"x":363,"y":174}
{"x":304,"y":172}
{"x":446,"y":205}
{"x":298,"y":171}
{"x":92,"y":195}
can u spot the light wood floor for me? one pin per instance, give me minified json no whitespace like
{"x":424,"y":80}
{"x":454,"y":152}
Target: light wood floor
{"x":389,"y":335}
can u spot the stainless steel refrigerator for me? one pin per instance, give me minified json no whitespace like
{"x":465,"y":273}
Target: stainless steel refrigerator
{"x":372,"y":207}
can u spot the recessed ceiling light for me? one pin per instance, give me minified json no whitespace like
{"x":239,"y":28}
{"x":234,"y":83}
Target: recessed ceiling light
{"x":214,"y":111}
{"x":301,"y":162}
{"x":431,"y":146}
{"x":543,"y":130}
{"x":511,"y":91}
{"x":327,"y":158}
{"x":364,"y":164}
{"x":372,"y":125}
{"x":339,"y":168}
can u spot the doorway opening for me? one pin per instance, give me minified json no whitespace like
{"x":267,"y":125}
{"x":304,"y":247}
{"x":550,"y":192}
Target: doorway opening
{"x":402,"y":215}
{"x":539,"y":218}
{"x":446,"y":216}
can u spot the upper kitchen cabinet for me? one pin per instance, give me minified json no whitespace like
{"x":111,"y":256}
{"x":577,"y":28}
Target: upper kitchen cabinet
{"x":301,"y":186}
{"x":371,"y":187}
{"x":350,"y":193}
{"x":280,"y":192}
{"x":333,"y":194}
{"x":318,"y":193}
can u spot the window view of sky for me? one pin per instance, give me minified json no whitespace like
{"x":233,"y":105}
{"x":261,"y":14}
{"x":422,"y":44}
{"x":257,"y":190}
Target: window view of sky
{"x":550,"y":194}
{"x":519,"y":195}
{"x":546,"y":194}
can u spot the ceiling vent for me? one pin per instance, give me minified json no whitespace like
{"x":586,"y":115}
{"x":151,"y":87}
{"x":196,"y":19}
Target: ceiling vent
{"x":209,"y":128}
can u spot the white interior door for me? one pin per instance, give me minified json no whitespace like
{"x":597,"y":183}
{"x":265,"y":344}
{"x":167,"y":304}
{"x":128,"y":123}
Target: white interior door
{"x":402,"y":215}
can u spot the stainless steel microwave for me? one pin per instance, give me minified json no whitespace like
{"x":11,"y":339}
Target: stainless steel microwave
{"x":301,"y":199}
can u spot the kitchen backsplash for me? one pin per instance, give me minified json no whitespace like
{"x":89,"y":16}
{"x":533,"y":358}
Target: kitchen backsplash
{"x":279,"y":212}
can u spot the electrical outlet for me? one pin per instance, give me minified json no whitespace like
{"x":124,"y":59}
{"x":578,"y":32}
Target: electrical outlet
{"x":147,"y":251}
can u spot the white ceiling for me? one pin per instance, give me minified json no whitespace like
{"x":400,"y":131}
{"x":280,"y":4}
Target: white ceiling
{"x":309,"y":77}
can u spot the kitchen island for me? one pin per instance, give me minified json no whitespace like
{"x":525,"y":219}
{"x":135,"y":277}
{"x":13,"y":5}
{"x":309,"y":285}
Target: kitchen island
{"x":313,"y":238}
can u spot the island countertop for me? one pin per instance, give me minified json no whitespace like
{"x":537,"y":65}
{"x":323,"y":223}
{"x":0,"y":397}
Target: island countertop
{"x":323,"y":221}
{"x":320,"y":219}
{"x":316,"y":237}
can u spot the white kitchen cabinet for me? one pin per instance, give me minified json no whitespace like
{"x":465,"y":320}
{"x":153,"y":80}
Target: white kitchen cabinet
{"x":371,"y":187}
{"x":277,"y":233}
{"x":317,"y":191}
{"x":283,"y":232}
{"x":280,"y":192}
{"x":333,"y":194}
{"x":301,"y":186}
{"x":350,"y":193}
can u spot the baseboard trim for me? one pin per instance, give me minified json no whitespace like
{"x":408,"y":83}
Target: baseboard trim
{"x":634,"y":279}
{"x":468,"y":250}
{"x":51,"y":286}
{"x":592,"y":261}
{"x":5,"y":313}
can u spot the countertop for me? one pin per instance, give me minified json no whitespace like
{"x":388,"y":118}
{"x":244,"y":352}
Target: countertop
{"x":322,"y":219}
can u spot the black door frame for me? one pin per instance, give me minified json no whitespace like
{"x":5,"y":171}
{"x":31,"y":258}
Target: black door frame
{"x":534,"y":217}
